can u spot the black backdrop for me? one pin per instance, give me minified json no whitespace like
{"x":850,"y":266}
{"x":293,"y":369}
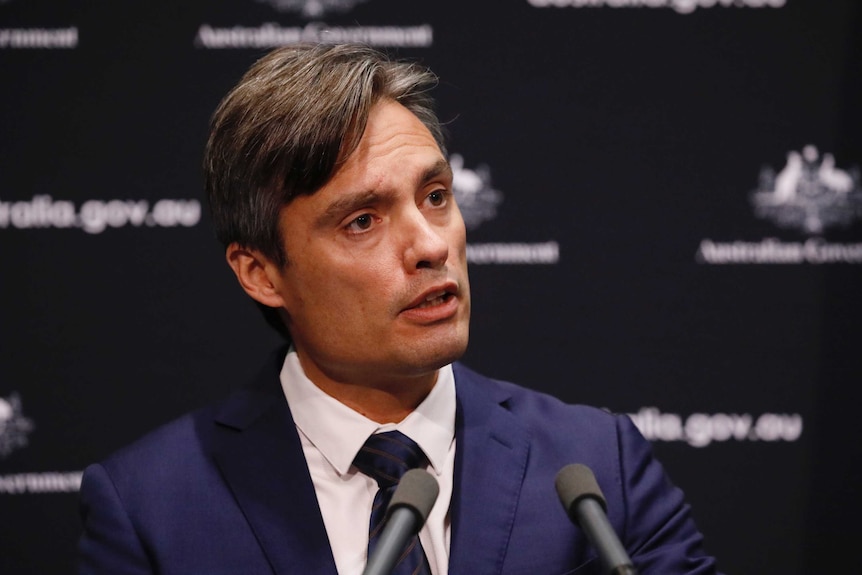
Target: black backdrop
{"x":664,"y":200}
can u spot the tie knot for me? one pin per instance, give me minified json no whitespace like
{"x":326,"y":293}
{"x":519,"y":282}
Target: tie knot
{"x":387,"y":456}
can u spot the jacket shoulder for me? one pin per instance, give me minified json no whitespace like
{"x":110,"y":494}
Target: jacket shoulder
{"x":160,"y":456}
{"x":536,"y":408}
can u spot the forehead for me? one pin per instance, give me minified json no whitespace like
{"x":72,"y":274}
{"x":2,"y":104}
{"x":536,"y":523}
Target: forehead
{"x":396,"y":154}
{"x":393,"y":135}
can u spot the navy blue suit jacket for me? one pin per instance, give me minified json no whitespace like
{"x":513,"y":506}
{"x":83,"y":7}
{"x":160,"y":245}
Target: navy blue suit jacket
{"x":226,"y":490}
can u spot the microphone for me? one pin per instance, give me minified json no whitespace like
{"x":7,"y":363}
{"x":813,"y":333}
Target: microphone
{"x":586,"y":506}
{"x":408,"y":509}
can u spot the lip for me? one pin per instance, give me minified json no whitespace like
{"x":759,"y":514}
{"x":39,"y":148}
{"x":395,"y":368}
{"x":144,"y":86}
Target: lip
{"x":438,"y":311}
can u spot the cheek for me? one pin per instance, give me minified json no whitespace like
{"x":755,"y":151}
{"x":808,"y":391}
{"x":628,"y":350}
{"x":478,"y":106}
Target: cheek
{"x":356,"y":286}
{"x":458,"y":229}
{"x":458,"y":241}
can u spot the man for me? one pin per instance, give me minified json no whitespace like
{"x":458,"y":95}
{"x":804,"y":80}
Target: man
{"x":329,"y":186}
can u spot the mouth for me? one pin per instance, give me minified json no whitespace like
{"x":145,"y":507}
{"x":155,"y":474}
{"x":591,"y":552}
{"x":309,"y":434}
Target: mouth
{"x":436,"y":298}
{"x":436,"y":304}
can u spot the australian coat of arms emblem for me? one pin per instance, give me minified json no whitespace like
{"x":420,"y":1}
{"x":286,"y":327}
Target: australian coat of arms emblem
{"x":809,"y":193}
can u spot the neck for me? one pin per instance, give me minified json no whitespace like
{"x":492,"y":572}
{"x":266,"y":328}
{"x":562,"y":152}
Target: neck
{"x":380,"y":400}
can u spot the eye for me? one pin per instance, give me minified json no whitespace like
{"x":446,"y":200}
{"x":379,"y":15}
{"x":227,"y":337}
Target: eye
{"x":361,"y":223}
{"x":437,"y":198}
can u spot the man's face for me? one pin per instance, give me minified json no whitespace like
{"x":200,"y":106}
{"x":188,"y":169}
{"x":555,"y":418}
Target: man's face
{"x":376,"y":288}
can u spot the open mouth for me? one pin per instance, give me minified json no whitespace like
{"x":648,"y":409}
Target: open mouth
{"x":435,"y":299}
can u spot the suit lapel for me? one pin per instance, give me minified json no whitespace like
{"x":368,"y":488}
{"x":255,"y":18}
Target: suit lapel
{"x":490,"y":463}
{"x":260,"y":456}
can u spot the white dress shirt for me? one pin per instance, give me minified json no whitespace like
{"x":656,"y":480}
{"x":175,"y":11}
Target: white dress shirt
{"x":332,"y":434}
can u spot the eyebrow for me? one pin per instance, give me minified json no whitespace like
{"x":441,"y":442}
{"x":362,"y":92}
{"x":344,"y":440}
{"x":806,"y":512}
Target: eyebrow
{"x":438,"y":168}
{"x":347,"y":204}
{"x":353,"y":202}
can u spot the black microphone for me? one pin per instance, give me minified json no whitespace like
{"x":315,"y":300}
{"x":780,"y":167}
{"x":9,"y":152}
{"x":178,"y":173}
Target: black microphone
{"x":408,"y":509}
{"x":586,"y":506}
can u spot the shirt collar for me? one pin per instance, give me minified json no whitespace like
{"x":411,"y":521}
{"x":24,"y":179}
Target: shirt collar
{"x":338,"y":431}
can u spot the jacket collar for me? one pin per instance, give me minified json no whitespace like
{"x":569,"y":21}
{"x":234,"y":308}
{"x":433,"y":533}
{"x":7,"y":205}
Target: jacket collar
{"x":260,"y":456}
{"x":490,"y":463}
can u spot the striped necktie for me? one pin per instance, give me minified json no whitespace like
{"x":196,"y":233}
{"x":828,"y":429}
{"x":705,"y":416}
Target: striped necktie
{"x":386,"y":457}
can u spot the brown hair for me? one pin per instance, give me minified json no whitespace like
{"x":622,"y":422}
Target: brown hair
{"x":286,"y":128}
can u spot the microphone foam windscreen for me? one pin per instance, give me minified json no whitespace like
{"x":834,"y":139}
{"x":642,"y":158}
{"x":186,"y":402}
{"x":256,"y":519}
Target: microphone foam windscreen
{"x":418,"y":490}
{"x":576,"y":481}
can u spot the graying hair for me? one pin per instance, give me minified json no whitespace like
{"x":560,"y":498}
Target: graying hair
{"x":286,"y":128}
{"x":292,"y":120}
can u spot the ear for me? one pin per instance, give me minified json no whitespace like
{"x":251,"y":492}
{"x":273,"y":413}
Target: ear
{"x":257,"y":274}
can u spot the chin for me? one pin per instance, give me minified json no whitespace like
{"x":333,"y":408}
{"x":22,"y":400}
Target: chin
{"x":439,"y":352}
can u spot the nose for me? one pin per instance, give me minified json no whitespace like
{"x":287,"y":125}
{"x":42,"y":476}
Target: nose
{"x":425,"y":244}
